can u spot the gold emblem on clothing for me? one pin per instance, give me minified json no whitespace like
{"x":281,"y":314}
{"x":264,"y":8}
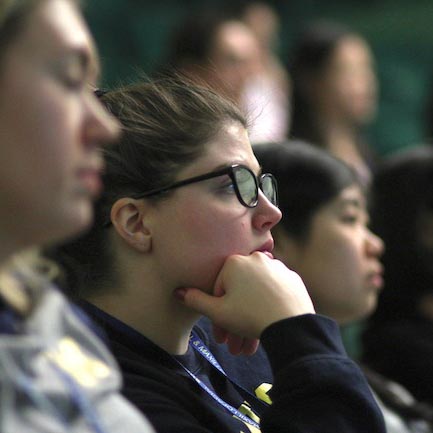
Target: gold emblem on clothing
{"x":69,"y":357}
{"x":262,"y":392}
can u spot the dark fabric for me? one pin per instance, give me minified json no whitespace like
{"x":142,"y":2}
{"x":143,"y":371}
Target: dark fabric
{"x":9,"y":319}
{"x":403,"y":351}
{"x":400,"y":401}
{"x":320,"y":388}
{"x":316,"y":388}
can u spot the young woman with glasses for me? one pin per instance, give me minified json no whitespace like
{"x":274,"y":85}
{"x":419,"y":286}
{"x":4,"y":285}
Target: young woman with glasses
{"x":183,"y":228}
{"x":55,"y":375}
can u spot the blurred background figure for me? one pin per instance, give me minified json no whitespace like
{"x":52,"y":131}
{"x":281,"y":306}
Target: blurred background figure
{"x":398,"y":341}
{"x":266,"y":93}
{"x":324,"y":236}
{"x":334,"y":92}
{"x":234,"y":51}
{"x":216,"y":49}
{"x":134,"y":35}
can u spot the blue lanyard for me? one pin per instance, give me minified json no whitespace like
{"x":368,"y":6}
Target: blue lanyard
{"x":197,"y":344}
{"x":219,"y":400}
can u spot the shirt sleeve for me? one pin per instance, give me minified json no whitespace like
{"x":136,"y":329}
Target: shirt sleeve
{"x":317,"y":388}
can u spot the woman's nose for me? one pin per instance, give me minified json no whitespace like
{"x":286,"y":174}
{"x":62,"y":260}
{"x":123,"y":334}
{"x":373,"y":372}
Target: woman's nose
{"x":375,"y":245}
{"x":100,"y":125}
{"x":266,"y":215}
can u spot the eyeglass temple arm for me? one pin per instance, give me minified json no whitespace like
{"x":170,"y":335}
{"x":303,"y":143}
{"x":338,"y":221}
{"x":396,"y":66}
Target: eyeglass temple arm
{"x":227,"y":170}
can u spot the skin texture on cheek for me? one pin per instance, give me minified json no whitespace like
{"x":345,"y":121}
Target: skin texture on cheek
{"x":199,"y":226}
{"x":38,"y":132}
{"x":334,"y":261}
{"x":332,"y":269}
{"x":209,"y":236}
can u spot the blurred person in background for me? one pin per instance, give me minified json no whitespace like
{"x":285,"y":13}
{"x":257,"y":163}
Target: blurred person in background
{"x":398,"y":340}
{"x":334,"y":92}
{"x":216,"y":49}
{"x":266,"y":95}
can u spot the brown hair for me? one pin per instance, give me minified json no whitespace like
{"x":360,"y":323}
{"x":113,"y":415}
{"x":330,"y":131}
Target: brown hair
{"x":13,"y":14}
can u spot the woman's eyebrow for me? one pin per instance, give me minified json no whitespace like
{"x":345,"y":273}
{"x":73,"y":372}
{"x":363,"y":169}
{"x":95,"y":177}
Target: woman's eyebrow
{"x":350,"y":202}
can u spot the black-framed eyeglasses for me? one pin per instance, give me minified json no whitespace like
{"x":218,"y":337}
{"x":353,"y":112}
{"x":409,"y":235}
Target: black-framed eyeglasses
{"x":246,"y":185}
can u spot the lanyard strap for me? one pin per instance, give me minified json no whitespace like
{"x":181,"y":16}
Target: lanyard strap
{"x":235,"y":412}
{"x":197,"y":344}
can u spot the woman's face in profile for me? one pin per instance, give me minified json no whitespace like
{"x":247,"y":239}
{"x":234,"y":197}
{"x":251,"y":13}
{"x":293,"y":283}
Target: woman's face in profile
{"x":51,"y":126}
{"x":200,"y":225}
{"x":339,"y":260}
{"x":348,"y":84}
{"x":234,"y":58}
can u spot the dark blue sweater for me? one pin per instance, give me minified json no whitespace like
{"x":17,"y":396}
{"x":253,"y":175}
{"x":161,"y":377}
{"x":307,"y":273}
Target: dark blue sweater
{"x":316,"y":387}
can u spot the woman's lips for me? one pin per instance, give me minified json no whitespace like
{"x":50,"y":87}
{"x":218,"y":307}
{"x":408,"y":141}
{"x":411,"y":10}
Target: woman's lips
{"x":376,"y":280}
{"x":267,"y":248}
{"x":90,"y":180}
{"x":268,"y":253}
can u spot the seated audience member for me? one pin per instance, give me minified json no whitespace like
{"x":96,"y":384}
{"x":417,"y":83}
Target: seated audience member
{"x":215,"y":49}
{"x":266,"y":94}
{"x":231,"y":52}
{"x":55,"y":374}
{"x":398,"y":341}
{"x":183,"y":228}
{"x":324,"y":237}
{"x":334,"y":93}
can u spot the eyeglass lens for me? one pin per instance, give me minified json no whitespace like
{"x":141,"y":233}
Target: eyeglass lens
{"x":246,"y":186}
{"x":246,"y":183}
{"x":269,"y":189}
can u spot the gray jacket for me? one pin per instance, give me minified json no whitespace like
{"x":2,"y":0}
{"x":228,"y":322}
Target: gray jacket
{"x":56,"y":376}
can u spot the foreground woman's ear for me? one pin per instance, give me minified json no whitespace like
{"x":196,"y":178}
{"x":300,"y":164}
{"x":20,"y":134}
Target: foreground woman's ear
{"x":128,"y":217}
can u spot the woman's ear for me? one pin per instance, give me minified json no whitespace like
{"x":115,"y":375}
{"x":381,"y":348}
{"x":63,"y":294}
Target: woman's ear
{"x":128,"y":217}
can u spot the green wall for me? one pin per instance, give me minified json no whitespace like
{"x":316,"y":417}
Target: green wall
{"x":131,"y":35}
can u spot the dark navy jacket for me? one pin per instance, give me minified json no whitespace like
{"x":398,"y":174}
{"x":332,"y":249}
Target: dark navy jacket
{"x":316,"y":387}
